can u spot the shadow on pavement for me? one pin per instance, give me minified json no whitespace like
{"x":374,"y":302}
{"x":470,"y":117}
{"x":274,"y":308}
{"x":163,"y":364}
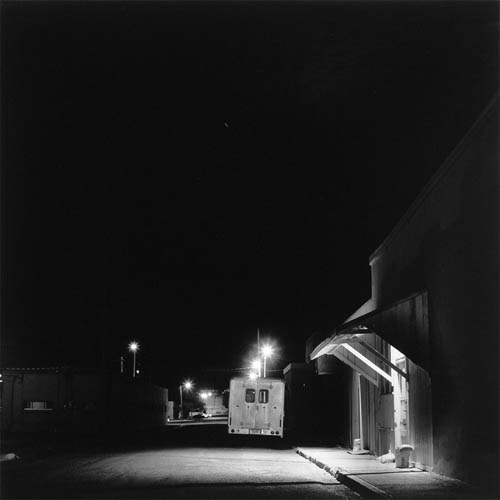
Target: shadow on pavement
{"x":36,"y":445}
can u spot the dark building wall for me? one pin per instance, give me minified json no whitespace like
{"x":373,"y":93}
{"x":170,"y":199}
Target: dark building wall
{"x":298,"y":397}
{"x":328,"y":394}
{"x":78,"y":401}
{"x":23,"y":389}
{"x":331,"y":412}
{"x":85,"y":400}
{"x":448,"y":244}
{"x":135,"y":403}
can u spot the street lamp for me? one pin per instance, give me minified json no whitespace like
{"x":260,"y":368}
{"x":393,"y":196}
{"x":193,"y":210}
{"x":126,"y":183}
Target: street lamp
{"x":186,"y":385}
{"x":256,"y":365}
{"x":133,"y":347}
{"x":267,"y":352}
{"x":253,"y":376}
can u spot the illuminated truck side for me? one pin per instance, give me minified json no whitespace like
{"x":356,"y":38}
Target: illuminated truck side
{"x":256,"y":406}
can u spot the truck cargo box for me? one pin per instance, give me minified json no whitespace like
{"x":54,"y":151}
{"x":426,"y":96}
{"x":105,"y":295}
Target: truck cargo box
{"x":256,"y":406}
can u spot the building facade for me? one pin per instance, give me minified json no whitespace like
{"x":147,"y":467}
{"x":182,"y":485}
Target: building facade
{"x":214,"y":404}
{"x":77,"y":400}
{"x":423,"y":351}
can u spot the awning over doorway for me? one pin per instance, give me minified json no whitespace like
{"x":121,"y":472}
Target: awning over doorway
{"x":404,"y":325}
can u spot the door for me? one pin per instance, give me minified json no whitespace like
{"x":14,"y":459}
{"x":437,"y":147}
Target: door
{"x":262,"y":407}
{"x":277,"y":406}
{"x":385,"y":424}
{"x":249,"y":407}
{"x":400,"y":393}
{"x":403,"y":403}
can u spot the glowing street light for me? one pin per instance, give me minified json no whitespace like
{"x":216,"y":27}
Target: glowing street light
{"x":267,"y":352}
{"x":133,"y":347}
{"x":253,"y":376}
{"x":256,"y":365}
{"x":187,"y":384}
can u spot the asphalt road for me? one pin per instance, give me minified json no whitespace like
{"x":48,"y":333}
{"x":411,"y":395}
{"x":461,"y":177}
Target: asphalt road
{"x":199,"y":461}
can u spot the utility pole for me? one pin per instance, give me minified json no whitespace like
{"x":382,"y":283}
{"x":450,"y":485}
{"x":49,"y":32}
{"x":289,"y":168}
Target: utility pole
{"x":258,"y":354}
{"x":180,"y":410}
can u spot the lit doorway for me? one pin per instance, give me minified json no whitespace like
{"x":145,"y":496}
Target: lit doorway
{"x":400,"y":395}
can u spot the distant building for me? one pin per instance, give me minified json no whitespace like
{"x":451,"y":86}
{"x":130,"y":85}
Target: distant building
{"x":423,"y":352}
{"x":170,"y":410}
{"x":214,"y":404}
{"x":298,"y":396}
{"x":65,"y":399}
{"x":310,"y":409}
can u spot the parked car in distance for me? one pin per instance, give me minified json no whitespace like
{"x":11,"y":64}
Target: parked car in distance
{"x":198,"y":415}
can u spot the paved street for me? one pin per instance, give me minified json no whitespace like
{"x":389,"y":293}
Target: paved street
{"x":180,"y":462}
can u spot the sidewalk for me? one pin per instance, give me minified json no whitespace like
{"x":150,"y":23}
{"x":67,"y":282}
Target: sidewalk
{"x":373,"y":479}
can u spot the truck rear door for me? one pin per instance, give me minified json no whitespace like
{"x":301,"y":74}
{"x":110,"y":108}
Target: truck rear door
{"x":249,"y":407}
{"x":263,"y":397}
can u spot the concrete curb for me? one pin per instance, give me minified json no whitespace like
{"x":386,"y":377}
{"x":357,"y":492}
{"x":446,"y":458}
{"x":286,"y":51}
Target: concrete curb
{"x":348,"y":479}
{"x":364,"y":488}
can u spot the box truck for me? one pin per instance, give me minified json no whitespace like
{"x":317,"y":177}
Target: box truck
{"x":256,"y":406}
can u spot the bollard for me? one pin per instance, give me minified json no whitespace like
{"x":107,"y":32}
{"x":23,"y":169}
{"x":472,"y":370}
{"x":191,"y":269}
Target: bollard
{"x":403,"y":456}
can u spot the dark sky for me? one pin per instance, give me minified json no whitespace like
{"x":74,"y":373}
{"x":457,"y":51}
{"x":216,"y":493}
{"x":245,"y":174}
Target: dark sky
{"x":183,"y":173}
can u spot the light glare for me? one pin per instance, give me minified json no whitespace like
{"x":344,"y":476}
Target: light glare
{"x":267,"y":351}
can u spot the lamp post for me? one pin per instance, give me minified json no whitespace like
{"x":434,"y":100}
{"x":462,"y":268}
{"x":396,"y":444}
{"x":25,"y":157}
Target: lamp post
{"x":267,"y":352}
{"x":133,"y":347}
{"x":186,"y":385}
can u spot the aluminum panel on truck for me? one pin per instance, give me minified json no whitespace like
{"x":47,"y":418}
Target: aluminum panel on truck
{"x":256,"y":406}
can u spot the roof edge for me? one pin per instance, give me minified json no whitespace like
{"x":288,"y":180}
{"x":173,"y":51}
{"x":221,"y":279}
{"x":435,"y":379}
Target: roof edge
{"x":442,"y":171}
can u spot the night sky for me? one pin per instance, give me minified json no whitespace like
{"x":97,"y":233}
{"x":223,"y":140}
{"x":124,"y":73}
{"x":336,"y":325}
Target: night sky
{"x":183,"y":173}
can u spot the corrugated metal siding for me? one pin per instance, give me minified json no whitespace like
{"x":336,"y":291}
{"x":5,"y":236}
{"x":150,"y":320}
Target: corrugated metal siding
{"x":420,"y":411}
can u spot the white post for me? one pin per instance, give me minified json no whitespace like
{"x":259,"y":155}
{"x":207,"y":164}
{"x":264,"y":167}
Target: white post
{"x":133,"y":374}
{"x":180,"y":410}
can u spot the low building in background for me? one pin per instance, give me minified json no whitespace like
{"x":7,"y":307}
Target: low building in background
{"x":170,"y":410}
{"x":298,"y":397}
{"x":213,"y":402}
{"x":78,"y":400}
